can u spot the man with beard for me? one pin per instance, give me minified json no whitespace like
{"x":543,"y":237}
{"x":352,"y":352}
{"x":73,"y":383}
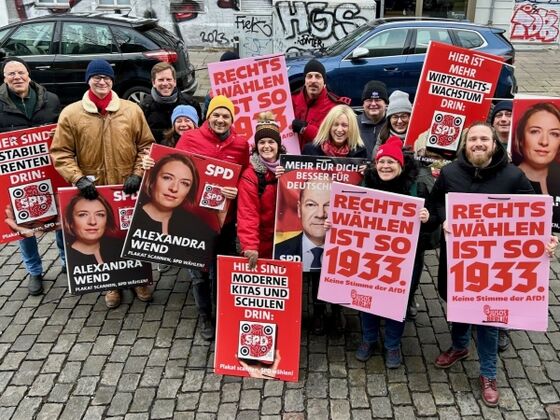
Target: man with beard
{"x":482,"y":166}
{"x":164,"y":97}
{"x":313,"y":102}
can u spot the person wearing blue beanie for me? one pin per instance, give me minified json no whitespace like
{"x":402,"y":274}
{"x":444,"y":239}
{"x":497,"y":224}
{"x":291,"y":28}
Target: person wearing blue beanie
{"x":500,"y":118}
{"x":99,"y":68}
{"x":184,"y":118}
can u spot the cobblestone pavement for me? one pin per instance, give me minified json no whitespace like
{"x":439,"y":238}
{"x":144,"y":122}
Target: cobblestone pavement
{"x":69,"y":357}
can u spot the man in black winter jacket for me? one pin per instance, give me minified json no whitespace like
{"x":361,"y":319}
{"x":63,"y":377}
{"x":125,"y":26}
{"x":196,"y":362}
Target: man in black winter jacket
{"x":164,"y":97}
{"x":482,"y":166}
{"x":25,"y":104}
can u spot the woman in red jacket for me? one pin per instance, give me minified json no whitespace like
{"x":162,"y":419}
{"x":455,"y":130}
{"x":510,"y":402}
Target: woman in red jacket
{"x":256,"y":199}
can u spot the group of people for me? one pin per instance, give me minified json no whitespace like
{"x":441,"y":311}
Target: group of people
{"x":103,"y":139}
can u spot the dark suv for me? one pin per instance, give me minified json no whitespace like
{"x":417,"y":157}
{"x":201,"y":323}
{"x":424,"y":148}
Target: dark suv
{"x":58,"y":49}
{"x":393,"y":51}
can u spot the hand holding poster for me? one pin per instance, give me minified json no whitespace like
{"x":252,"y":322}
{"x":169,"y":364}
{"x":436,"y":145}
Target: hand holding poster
{"x":497,"y":265}
{"x":254,"y":85}
{"x":29,"y":182}
{"x":259,"y":319}
{"x":180,"y":209}
{"x":535,"y":146}
{"x":94,"y":232}
{"x":302,"y":204}
{"x":455,"y":89}
{"x":370,"y":249}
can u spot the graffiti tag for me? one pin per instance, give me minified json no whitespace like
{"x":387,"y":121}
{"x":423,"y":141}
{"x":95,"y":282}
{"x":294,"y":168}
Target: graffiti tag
{"x":253,"y":24}
{"x":530,"y":22}
{"x":214,"y":37}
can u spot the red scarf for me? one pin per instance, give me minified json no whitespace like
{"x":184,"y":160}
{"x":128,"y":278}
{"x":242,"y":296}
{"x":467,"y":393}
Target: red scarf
{"x":331,"y":150}
{"x":101,"y":104}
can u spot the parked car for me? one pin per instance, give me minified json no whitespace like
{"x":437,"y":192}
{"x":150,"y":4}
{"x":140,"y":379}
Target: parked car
{"x":58,"y":49}
{"x":393,"y":51}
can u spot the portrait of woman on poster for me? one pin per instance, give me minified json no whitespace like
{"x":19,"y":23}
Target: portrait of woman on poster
{"x":86,"y":223}
{"x":536,"y":150}
{"x":172,"y":183}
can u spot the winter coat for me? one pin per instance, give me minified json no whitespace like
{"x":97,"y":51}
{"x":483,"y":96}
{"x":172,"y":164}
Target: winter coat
{"x":369,"y":132}
{"x":158,"y":115}
{"x":256,"y":212}
{"x":500,"y":177}
{"x":203,"y":141}
{"x":109,"y":147}
{"x":46,"y":110}
{"x":311,"y":149}
{"x":313,"y":111}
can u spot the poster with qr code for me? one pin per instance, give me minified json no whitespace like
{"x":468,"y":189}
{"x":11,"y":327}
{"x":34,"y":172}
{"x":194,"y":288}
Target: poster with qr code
{"x":33,"y":201}
{"x":94,"y":232}
{"x":212,"y":197}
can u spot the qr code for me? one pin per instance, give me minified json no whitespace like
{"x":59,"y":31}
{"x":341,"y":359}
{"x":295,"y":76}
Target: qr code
{"x":212,"y":197}
{"x":125,"y":215}
{"x":445,"y":131}
{"x":33,"y":201}
{"x":257,"y":341}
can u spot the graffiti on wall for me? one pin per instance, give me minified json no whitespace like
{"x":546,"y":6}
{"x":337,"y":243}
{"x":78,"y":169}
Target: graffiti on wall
{"x":536,"y":23}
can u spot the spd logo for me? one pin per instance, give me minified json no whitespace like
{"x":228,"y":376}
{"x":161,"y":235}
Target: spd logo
{"x":445,"y":131}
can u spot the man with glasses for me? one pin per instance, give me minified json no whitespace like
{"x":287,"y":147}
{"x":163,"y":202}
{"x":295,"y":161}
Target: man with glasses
{"x":26,"y":104}
{"x":375,"y":101}
{"x":100,"y":140}
{"x":501,"y":120}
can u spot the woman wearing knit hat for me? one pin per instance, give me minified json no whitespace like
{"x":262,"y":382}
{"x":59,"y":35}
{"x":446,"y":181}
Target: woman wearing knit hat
{"x":183,"y":118}
{"x":391,"y":173}
{"x":338,"y":135}
{"x":398,"y":117}
{"x":256,"y":203}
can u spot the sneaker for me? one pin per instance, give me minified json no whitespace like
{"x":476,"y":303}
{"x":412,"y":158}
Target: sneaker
{"x":143,"y":293}
{"x":206,"y":328}
{"x":318,"y":321}
{"x":489,"y":390}
{"x":450,"y":357}
{"x":412,"y":310}
{"x":503,"y":340}
{"x":35,"y":285}
{"x":393,"y":358}
{"x":112,"y":298}
{"x":365,"y":351}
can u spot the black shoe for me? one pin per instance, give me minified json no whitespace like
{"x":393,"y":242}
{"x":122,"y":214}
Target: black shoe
{"x":64,"y":270}
{"x":503,"y":340}
{"x":412,"y":310}
{"x":207,"y":331}
{"x":35,"y":285}
{"x":318,"y":321}
{"x":339,"y":321}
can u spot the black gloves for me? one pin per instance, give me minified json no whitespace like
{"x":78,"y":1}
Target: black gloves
{"x":298,"y":126}
{"x":132,"y":184}
{"x":87,"y":188}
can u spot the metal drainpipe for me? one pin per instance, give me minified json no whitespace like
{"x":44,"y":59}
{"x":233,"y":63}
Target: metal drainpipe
{"x":491,"y":17}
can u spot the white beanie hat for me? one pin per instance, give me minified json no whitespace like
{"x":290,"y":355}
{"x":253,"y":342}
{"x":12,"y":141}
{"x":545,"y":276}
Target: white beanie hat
{"x":399,"y":102}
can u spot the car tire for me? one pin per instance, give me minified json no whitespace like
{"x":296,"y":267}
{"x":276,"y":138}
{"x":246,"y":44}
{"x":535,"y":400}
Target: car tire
{"x":136,"y":93}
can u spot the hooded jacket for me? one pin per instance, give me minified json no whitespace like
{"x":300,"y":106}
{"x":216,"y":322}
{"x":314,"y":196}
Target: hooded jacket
{"x":109,"y":147}
{"x":46,"y":110}
{"x":255,"y":213}
{"x":499,"y":177}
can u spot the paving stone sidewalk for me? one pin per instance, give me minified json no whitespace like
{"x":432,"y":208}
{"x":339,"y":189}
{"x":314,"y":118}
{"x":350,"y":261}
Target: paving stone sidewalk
{"x":69,"y":357}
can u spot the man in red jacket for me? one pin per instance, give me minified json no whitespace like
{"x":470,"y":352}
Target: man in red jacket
{"x":216,"y":138}
{"x":313,"y":102}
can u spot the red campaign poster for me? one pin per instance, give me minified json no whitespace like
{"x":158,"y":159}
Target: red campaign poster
{"x":258,"y":327}
{"x":29,"y":181}
{"x":535,"y":145}
{"x":455,"y":90}
{"x":94,"y":232}
{"x":255,"y":85}
{"x":180,"y":209}
{"x":370,"y":250}
{"x":303,"y":201}
{"x":497,"y":266}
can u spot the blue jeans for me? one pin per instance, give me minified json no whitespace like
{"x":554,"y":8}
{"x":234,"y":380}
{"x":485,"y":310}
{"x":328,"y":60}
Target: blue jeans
{"x":487,"y":345}
{"x":370,"y":330}
{"x":30,"y":253}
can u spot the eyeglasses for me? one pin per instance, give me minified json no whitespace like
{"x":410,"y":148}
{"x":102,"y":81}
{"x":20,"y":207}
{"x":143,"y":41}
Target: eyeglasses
{"x":402,"y":117}
{"x":13,"y":74}
{"x":106,"y":79}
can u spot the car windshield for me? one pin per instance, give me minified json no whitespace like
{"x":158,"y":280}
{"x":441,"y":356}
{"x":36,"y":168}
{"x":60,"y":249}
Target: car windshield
{"x":343,"y":43}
